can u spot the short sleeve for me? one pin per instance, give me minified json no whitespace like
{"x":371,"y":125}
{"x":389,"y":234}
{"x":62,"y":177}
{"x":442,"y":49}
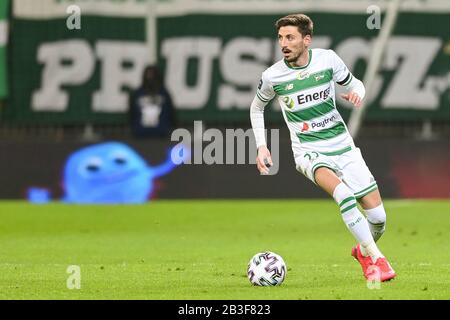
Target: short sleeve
{"x":341,"y":74}
{"x":265,"y":91}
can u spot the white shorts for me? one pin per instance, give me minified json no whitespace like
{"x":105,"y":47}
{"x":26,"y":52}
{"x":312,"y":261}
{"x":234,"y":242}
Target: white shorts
{"x":349,"y":166}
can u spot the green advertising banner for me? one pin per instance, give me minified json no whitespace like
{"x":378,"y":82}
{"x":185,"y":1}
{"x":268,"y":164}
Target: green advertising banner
{"x":213,"y":71}
{"x":4,"y":7}
{"x":76,"y":61}
{"x":73,"y":67}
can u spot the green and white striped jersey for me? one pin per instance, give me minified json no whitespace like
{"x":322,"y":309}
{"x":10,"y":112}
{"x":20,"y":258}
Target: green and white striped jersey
{"x":307,"y":99}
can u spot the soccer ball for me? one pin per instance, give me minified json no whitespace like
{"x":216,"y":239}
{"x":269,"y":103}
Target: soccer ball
{"x":266,"y":269}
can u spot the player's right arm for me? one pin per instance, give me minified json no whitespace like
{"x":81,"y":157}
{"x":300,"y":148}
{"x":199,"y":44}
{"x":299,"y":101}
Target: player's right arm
{"x":263,"y":95}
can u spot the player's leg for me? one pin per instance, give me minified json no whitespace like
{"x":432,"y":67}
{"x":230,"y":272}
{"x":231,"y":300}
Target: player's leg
{"x":353,"y":218}
{"x":321,"y":170}
{"x":360,"y":180}
{"x":376,"y":215}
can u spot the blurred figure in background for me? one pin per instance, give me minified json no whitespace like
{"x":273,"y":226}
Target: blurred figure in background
{"x":151,"y":109}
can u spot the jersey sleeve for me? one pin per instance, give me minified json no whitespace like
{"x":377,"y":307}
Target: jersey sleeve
{"x":341,"y":74}
{"x":265,"y":91}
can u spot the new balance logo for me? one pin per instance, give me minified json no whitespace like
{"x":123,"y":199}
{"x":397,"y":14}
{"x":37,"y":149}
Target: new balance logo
{"x":289,"y":86}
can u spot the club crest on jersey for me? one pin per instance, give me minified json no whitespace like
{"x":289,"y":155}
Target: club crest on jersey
{"x":303,"y":75}
{"x":319,"y":76}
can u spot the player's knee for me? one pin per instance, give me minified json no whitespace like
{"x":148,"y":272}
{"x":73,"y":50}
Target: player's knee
{"x":327,"y":180}
{"x":371,"y":200}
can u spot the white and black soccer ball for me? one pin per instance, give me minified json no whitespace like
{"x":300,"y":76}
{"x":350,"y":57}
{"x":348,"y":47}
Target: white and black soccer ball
{"x":266,"y":269}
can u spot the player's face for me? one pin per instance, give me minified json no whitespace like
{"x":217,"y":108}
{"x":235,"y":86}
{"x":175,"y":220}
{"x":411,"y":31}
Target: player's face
{"x":292,"y":43}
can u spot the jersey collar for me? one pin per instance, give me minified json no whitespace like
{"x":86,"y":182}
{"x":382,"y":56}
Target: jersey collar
{"x":299,"y":68}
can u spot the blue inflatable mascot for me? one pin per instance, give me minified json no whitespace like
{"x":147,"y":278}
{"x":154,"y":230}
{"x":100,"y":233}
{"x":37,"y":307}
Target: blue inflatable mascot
{"x":110,"y":172}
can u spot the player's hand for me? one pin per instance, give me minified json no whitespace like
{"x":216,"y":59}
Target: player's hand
{"x":263,"y":160}
{"x":353,"y":98}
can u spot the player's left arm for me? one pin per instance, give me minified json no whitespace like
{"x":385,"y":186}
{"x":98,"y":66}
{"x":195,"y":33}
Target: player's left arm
{"x":342,"y":76}
{"x":356,"y":92}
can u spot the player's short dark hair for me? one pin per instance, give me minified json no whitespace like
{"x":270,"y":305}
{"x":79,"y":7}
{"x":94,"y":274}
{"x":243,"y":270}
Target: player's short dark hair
{"x":301,"y":21}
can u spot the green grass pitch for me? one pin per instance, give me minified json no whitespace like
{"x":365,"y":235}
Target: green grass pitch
{"x":200,"y":250}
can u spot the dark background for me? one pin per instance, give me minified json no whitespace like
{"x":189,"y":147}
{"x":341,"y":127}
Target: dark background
{"x":403,"y":168}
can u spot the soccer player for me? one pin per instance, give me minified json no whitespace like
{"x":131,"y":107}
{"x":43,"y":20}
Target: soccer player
{"x":323,"y":149}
